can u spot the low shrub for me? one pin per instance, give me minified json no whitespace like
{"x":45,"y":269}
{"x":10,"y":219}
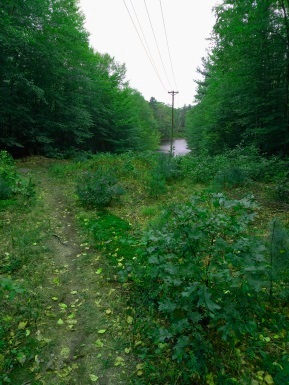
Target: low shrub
{"x":97,"y":189}
{"x":280,"y":191}
{"x":5,"y":190}
{"x":11,"y":183}
{"x":203,"y":298}
{"x":229,"y":178}
{"x":251,"y":165}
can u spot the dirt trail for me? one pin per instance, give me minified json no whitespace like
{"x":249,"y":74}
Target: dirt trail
{"x":82,"y":326}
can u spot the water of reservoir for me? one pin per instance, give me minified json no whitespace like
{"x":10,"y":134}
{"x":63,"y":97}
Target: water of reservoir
{"x":180,"y":147}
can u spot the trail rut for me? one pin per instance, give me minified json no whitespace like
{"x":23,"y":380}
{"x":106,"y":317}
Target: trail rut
{"x":81,"y":325}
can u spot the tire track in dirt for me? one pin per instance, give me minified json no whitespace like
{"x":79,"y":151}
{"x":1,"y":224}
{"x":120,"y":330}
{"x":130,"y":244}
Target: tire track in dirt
{"x":80,"y":304}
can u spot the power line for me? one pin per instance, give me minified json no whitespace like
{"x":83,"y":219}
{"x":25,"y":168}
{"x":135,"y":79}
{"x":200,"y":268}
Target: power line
{"x":157,"y":44}
{"x":147,"y":46}
{"x":168,"y":44}
{"x":144,"y":45}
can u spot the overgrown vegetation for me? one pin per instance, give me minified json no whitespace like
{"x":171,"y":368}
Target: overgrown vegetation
{"x":204,"y":269}
{"x":98,"y":189}
{"x":203,"y":276}
{"x":19,"y":307}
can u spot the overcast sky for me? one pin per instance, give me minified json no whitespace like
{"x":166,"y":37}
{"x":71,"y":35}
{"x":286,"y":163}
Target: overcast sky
{"x":188,"y":23}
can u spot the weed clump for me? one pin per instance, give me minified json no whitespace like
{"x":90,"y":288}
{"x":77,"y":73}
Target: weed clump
{"x":97,"y":189}
{"x":11,"y":183}
{"x":5,"y":190}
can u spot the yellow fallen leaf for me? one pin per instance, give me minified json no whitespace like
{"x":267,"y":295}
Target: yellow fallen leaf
{"x":268,"y":379}
{"x":93,"y":378}
{"x":108,"y":311}
{"x":99,"y":343}
{"x":101,"y":331}
{"x":71,"y":321}
{"x":139,"y":373}
{"x":22,"y":325}
{"x":65,"y":352}
{"x":119,"y":361}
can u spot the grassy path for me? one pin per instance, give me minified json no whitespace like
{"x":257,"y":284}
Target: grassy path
{"x":82,"y":323}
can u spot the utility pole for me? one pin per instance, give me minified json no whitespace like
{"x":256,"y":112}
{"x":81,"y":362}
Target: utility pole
{"x":173,"y":93}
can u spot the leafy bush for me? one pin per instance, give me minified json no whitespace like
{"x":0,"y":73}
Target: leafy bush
{"x":229,"y":178}
{"x":5,"y":190}
{"x":97,"y":189}
{"x":280,"y":191}
{"x":11,"y":183}
{"x":157,"y":184}
{"x":247,"y":160}
{"x":8,"y":172}
{"x":203,"y":168}
{"x":202,"y":290}
{"x":166,"y":168}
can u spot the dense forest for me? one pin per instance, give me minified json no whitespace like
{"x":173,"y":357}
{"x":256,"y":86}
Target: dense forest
{"x":244,"y":92}
{"x":57,"y":93}
{"x":59,"y":96}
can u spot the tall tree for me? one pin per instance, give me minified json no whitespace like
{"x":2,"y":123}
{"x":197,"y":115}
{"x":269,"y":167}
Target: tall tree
{"x":162,"y":115}
{"x":244,"y":94}
{"x":59,"y":95}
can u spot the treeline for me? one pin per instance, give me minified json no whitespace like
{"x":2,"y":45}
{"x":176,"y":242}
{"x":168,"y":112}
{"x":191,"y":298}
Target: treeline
{"x":57,"y":94}
{"x":243,"y":97}
{"x":163,"y":116}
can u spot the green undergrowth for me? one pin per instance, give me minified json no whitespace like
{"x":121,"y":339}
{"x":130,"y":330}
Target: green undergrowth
{"x":113,"y":236}
{"x":200,"y":286}
{"x":208,"y":285}
{"x":202,"y":264}
{"x":20,"y":236}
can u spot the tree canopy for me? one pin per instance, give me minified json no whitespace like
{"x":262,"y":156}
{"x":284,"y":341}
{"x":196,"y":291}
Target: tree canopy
{"x":244,"y":94}
{"x":57,"y":93}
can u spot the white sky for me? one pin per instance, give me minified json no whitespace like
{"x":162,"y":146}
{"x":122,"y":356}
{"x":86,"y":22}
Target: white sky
{"x":188,"y":25}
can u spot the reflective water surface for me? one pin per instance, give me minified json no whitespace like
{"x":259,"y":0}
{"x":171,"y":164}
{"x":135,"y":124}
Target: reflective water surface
{"x":179,"y":147}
